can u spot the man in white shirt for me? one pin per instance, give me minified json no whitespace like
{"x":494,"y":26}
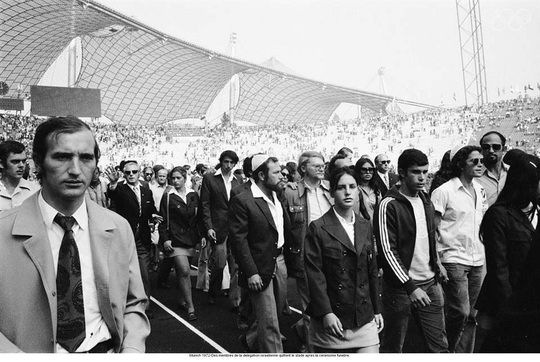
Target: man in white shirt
{"x":58,"y":301}
{"x":14,"y":189}
{"x":259,"y":229}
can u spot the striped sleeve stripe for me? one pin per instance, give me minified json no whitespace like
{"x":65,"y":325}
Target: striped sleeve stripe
{"x":385,"y":242}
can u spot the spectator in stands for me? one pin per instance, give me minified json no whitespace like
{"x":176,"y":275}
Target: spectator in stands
{"x":349,"y":319}
{"x":460,"y":205}
{"x":179,"y":233}
{"x":215,"y":195}
{"x":506,"y":231}
{"x":384,"y":179}
{"x":493,"y":146}
{"x":307,"y":201}
{"x":443,"y":174}
{"x":13,"y":188}
{"x":258,"y":228}
{"x":405,"y":232}
{"x":370,"y":196}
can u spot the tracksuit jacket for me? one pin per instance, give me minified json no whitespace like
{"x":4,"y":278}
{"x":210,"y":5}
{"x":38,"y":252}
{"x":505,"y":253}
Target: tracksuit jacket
{"x":395,"y":232}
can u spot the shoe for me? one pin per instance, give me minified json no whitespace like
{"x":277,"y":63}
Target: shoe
{"x":191,"y":316}
{"x":242,"y":324}
{"x":149,"y":314}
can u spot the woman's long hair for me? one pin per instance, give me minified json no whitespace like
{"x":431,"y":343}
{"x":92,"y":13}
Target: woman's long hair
{"x":357,"y":173}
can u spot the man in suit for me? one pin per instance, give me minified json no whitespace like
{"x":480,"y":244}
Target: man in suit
{"x":135,"y":203}
{"x":384,"y":179}
{"x":105,"y":308}
{"x":215,"y":194}
{"x":258,"y":224}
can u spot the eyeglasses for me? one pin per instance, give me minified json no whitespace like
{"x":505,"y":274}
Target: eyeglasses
{"x":284,"y":174}
{"x":495,"y":146}
{"x":148,"y":174}
{"x":476,"y":160}
{"x":385,"y":162}
{"x":367,"y":169}
{"x":134,"y":172}
{"x":318,"y":167}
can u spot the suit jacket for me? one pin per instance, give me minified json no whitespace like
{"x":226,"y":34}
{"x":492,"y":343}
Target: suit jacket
{"x":342,"y":277}
{"x":392,"y":180}
{"x":215,"y":205}
{"x":128,"y":207}
{"x":253,"y":236}
{"x":28,"y":310}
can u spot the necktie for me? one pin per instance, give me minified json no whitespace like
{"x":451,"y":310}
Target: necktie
{"x":386,"y":181}
{"x":138,"y":195}
{"x":71,"y":324}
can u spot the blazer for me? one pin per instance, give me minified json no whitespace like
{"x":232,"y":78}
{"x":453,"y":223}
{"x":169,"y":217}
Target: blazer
{"x":215,"y":204}
{"x":342,"y":277}
{"x":507,"y":235}
{"x":253,"y":237}
{"x":28,"y":283}
{"x":392,"y":180}
{"x":128,"y":207}
{"x":180,"y":222}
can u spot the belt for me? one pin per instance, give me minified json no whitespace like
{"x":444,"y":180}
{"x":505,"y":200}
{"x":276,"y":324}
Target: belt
{"x":102,"y":347}
{"x":280,"y":250}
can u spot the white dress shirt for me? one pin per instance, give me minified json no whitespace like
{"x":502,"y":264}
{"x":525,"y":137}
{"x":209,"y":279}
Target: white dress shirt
{"x":275,"y":209}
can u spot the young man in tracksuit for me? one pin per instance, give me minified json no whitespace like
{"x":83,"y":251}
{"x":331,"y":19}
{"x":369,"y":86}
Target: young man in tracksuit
{"x":405,"y":232}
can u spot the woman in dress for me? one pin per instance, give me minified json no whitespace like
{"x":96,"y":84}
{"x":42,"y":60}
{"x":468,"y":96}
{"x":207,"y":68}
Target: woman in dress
{"x":341,"y":269}
{"x":506,"y":231}
{"x":179,"y":233}
{"x":369,"y":192}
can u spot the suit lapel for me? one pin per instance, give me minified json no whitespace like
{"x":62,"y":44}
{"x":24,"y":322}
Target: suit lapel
{"x":261,"y":203}
{"x":334,"y":228}
{"x":101,"y":238}
{"x":522,"y":218}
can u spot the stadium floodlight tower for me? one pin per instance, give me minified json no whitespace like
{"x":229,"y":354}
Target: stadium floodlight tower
{"x":233,"y":81}
{"x":472,"y":51}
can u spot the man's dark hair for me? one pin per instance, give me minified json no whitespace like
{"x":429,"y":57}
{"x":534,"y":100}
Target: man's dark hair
{"x":231,"y":154}
{"x":458,"y":162}
{"x":411,"y":157}
{"x":127,"y":162}
{"x":157,"y":168}
{"x":180,"y":169}
{"x":336,"y":175}
{"x":333,"y":160}
{"x":246,"y":166}
{"x":503,"y":139}
{"x":201,"y":168}
{"x":53,"y":127}
{"x":263,"y":168}
{"x":8,"y":147}
{"x":344,"y":151}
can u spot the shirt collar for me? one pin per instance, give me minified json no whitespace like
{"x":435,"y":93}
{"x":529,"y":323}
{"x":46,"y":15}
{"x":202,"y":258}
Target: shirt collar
{"x":218,"y":173}
{"x":342,"y":219}
{"x":257,"y":193}
{"x":48,"y":212}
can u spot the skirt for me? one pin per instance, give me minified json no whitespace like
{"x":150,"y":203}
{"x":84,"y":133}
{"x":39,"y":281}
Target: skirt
{"x":178,"y":250}
{"x":361,"y":337}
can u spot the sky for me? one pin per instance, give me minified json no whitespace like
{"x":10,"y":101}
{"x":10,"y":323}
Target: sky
{"x":346,"y":42}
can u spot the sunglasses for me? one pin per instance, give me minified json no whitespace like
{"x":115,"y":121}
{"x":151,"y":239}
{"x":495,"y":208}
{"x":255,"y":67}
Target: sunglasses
{"x":134,"y":172}
{"x":367,"y":169}
{"x":385,"y":162}
{"x":148,"y":174}
{"x":285,"y":174}
{"x":495,"y":146}
{"x":476,"y":160}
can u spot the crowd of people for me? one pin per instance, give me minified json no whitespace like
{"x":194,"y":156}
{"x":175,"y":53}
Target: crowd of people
{"x":369,"y":243}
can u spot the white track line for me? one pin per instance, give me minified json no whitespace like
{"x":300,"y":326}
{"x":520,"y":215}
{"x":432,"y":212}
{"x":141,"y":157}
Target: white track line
{"x":188,"y":325}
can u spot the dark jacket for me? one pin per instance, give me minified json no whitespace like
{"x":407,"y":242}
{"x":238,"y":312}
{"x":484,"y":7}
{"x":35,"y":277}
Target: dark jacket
{"x":253,"y":237}
{"x":507,"y":234}
{"x":215,"y":204}
{"x":395,"y":231}
{"x":392,"y":180}
{"x":342,"y":277}
{"x":298,"y":211}
{"x":180,"y":223}
{"x":128,"y":207}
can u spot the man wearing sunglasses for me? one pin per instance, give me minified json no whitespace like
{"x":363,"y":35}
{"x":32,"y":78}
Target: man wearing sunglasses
{"x":135,"y":203}
{"x":384,"y":179}
{"x":492,"y":180}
